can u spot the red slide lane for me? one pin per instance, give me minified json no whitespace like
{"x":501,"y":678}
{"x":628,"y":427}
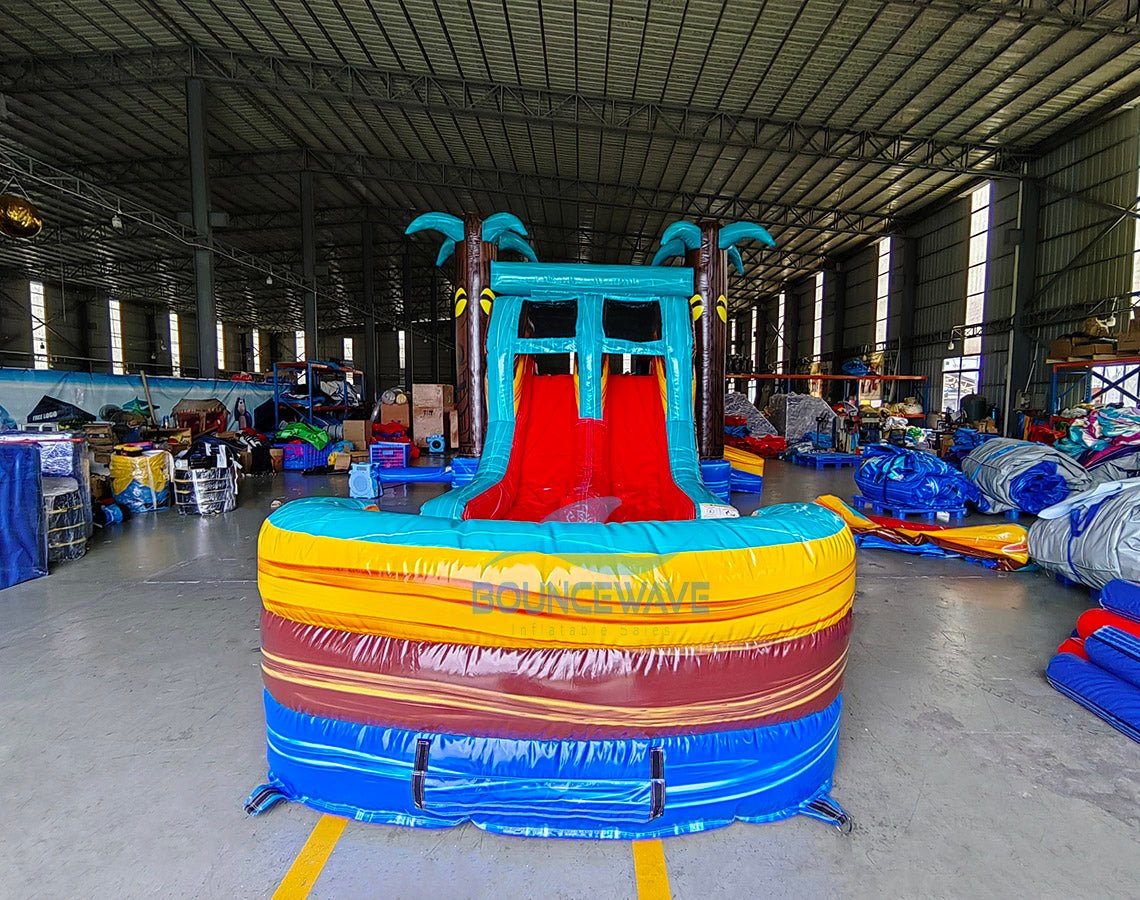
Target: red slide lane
{"x":558,"y":459}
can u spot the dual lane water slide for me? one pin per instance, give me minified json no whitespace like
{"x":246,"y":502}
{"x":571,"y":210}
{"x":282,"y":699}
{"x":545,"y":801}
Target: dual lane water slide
{"x":665,"y":668}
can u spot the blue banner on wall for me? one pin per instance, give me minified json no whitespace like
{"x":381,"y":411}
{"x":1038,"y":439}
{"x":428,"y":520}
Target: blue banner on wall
{"x":23,"y":390}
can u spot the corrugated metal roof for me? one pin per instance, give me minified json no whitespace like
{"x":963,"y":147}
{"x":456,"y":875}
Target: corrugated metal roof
{"x":617,"y":118}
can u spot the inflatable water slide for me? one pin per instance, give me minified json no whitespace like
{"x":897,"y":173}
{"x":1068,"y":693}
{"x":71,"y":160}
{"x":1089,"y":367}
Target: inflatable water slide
{"x":583,"y":641}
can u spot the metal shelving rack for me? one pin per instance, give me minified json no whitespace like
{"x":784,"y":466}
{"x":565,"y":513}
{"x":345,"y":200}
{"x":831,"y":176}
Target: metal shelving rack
{"x":1079,"y":378}
{"x":309,"y":407}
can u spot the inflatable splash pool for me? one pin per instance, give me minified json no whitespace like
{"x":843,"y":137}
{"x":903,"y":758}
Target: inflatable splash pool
{"x":502,"y":659}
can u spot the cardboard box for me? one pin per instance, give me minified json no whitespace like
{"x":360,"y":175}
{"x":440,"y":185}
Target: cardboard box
{"x":395,"y":412}
{"x":1129,"y":345}
{"x":453,"y":430}
{"x":277,"y":458}
{"x":428,"y":421}
{"x":1062,"y":348}
{"x":245,"y":460}
{"x":100,"y":487}
{"x":357,"y":433}
{"x":435,"y":396}
{"x":344,"y":461}
{"x":1101,"y":348}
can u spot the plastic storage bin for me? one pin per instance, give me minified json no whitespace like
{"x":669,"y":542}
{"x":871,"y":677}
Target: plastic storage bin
{"x":301,"y":455}
{"x":389,"y":454}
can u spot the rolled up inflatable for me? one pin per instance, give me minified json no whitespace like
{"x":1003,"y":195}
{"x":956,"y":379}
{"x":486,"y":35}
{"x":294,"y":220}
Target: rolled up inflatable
{"x":901,"y":478}
{"x":559,"y":679}
{"x":1093,"y":537}
{"x":1019,"y":475}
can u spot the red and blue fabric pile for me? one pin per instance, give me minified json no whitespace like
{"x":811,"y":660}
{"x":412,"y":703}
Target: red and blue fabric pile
{"x":395,"y":432}
{"x":736,"y":434}
{"x":1098,"y":666}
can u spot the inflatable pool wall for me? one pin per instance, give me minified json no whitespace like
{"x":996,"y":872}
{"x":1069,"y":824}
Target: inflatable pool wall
{"x":671,"y":669}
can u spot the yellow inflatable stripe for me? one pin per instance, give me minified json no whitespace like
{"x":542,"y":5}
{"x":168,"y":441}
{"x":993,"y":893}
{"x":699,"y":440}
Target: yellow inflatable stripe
{"x":425,"y":593}
{"x":744,"y":461}
{"x":407,"y":690}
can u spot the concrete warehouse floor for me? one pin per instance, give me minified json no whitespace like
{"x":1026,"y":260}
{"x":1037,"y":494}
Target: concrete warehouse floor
{"x":130,"y":698}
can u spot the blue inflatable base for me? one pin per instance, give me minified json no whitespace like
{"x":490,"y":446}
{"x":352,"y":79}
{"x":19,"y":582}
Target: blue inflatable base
{"x":613,"y":789}
{"x":1115,"y":701}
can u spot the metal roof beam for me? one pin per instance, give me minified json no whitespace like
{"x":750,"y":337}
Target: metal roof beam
{"x":1068,"y":15}
{"x":453,"y":178}
{"x":509,"y":103}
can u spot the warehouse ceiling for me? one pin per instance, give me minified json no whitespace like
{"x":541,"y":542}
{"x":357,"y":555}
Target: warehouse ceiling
{"x":597,"y":122}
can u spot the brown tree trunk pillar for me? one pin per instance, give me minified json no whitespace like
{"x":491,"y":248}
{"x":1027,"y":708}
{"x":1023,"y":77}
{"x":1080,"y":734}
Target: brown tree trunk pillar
{"x":710,"y":338}
{"x":472,"y":275}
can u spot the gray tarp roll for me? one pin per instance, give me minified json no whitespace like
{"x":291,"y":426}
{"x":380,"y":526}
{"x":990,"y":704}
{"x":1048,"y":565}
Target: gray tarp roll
{"x":1092,"y":537}
{"x":1013,"y":474}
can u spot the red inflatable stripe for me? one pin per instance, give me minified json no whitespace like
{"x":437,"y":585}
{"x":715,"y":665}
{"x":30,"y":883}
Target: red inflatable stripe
{"x":1092,"y":619}
{"x":549,"y":693}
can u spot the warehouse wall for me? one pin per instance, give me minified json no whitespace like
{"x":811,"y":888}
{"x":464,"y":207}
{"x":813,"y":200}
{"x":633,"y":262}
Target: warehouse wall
{"x":1085,"y":250}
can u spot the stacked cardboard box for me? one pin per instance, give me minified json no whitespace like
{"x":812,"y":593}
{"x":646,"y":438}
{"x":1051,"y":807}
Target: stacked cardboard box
{"x":101,"y":441}
{"x":1128,"y":342}
{"x":433,"y":412}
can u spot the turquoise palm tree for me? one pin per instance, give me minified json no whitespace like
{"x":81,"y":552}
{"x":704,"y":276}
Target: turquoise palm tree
{"x":502,"y":229}
{"x":682,"y":236}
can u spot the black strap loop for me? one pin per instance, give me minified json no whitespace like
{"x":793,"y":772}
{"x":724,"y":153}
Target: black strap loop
{"x":657,"y":782}
{"x":419,"y":771}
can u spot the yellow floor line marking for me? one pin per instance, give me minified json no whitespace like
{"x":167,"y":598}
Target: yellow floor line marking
{"x":649,"y":869}
{"x":306,"y":868}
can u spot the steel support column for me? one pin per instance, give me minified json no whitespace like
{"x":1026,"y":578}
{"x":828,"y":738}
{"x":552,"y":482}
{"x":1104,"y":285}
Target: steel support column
{"x":908,"y":298}
{"x":406,"y":301}
{"x":309,"y":264}
{"x":434,"y":313}
{"x":205,"y":305}
{"x":368,"y":287}
{"x":1019,"y":360}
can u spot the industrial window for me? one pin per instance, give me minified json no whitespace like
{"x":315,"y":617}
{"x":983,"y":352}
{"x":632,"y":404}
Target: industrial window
{"x":627,"y":363}
{"x":754,"y":344}
{"x":348,"y":354}
{"x":976,"y":265}
{"x":883,"y":291}
{"x":221,"y":332}
{"x":39,"y":324}
{"x":1135,"y":299}
{"x":962,"y":375}
{"x":402,"y":345}
{"x":255,"y":340}
{"x":115,"y":318}
{"x":781,"y":318}
{"x":817,"y":328}
{"x":175,"y":346}
{"x":299,"y":345}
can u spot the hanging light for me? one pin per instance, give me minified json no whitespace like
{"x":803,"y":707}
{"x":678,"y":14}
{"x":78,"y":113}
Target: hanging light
{"x":18,"y":217}
{"x":117,"y":222}
{"x":269,"y":279}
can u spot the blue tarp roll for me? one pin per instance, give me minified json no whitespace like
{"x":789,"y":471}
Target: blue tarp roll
{"x":912,"y":479}
{"x":1013,"y":474}
{"x":23,"y":532}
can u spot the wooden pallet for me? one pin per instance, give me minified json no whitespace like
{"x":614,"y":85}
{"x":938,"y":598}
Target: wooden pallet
{"x":826,"y":460}
{"x":901,"y":512}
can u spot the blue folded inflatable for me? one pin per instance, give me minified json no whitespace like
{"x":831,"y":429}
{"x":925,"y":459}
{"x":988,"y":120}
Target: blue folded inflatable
{"x":911,"y":479}
{"x":23,"y":528}
{"x":1121,"y":597}
{"x":1100,"y":692}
